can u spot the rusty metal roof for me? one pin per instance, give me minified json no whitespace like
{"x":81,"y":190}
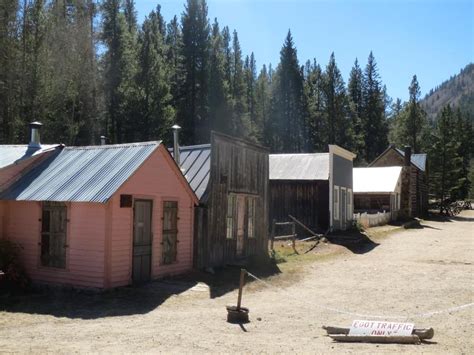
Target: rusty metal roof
{"x":313,"y":166}
{"x":13,"y":154}
{"x":195,"y":161}
{"x":81,"y":174}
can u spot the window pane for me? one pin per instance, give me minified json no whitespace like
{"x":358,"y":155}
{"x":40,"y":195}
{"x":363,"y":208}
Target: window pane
{"x":170,"y":231}
{"x":53,"y":237}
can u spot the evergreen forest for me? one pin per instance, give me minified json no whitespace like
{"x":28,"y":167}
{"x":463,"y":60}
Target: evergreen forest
{"x":86,"y":68}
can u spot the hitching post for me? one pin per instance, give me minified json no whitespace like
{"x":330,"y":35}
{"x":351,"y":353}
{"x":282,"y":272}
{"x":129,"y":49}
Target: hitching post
{"x":241,"y":286}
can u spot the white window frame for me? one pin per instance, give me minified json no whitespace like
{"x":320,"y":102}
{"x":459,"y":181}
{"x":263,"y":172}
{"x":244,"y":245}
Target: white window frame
{"x":336,"y":202}
{"x":350,"y":212}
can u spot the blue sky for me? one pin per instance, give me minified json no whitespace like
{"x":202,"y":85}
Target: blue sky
{"x":432,"y":39}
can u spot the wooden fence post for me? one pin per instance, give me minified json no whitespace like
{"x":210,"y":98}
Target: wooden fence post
{"x":272,"y":235}
{"x":294,"y":236}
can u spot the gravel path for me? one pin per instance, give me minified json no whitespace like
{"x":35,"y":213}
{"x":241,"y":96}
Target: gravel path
{"x":408,"y":273}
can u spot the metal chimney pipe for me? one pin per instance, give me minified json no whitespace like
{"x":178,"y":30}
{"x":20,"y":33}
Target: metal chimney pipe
{"x":35,"y":134}
{"x":103,"y":140}
{"x":176,"y":129}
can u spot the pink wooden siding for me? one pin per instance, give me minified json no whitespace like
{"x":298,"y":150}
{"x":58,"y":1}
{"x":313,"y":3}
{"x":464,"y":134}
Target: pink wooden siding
{"x":85,"y":238}
{"x":100,"y":236}
{"x":2,"y":218}
{"x":157,"y":182}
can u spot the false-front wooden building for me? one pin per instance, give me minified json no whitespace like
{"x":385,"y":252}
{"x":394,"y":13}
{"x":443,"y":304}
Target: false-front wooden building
{"x":314,"y":188}
{"x":414,"y":179}
{"x":230,"y":178}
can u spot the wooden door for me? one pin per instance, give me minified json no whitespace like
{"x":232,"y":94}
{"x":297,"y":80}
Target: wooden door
{"x":170,"y":231}
{"x":240,"y":225}
{"x":142,"y":238}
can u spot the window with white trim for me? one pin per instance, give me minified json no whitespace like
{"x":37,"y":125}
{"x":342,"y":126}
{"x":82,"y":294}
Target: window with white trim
{"x":336,"y":202}
{"x":349,"y":205}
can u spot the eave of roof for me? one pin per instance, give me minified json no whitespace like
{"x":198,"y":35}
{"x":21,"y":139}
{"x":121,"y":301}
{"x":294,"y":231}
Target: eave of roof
{"x":15,"y":154}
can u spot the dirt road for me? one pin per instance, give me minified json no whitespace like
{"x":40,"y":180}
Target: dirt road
{"x":408,"y":273}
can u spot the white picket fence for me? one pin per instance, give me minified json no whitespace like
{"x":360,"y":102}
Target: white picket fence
{"x":371,"y":220}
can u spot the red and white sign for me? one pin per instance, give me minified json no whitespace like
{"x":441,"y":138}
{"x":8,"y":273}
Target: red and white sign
{"x":368,"y":327}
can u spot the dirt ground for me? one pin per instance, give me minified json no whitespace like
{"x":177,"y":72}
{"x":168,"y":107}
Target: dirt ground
{"x":404,"y":273}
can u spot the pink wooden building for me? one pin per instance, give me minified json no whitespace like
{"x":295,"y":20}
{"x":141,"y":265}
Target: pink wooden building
{"x":101,"y":216}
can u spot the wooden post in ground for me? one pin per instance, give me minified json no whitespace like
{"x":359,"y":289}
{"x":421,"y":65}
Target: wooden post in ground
{"x":272,"y":235}
{"x":241,"y":286}
{"x":293,"y":230}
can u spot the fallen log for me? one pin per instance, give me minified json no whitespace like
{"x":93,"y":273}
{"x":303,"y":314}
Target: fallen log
{"x":422,"y":333}
{"x":407,"y":339}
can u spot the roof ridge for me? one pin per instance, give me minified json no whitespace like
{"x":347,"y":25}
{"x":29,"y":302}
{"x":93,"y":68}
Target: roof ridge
{"x":298,"y":154}
{"x":183,"y":147}
{"x":113,"y":146}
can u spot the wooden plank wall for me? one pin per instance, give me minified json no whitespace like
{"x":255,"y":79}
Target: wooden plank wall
{"x":236,"y":167}
{"x":307,"y":201}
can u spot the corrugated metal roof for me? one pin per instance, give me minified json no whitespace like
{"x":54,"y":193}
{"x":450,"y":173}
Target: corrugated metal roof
{"x":81,"y":174}
{"x":195,"y":161}
{"x":299,"y":166}
{"x":11,"y":154}
{"x":380,"y":179}
{"x":418,"y":159}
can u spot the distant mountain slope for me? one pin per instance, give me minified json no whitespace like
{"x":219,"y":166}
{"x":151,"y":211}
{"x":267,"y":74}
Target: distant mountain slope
{"x":457,"y":91}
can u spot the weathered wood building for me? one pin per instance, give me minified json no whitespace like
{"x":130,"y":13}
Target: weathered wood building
{"x":414,"y":179}
{"x":314,"y":188}
{"x":230,"y":178}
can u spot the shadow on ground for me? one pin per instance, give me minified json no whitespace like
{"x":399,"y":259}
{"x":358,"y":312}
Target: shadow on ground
{"x":123,"y":301}
{"x":355,"y":241}
{"x":226,"y":279}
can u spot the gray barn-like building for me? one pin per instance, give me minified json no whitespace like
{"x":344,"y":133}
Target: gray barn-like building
{"x":315,"y":188}
{"x":230,"y":178}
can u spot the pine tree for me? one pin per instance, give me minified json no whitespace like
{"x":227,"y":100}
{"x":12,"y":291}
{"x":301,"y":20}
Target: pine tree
{"x":339,"y":128}
{"x":9,"y":55}
{"x":174,"y":45}
{"x":193,"y":109}
{"x":156,"y":112}
{"x":220,"y":106}
{"x":374,"y":123}
{"x":355,"y":107}
{"x":120,"y":72}
{"x":313,"y":92}
{"x":262,"y":105}
{"x":288,"y":130}
{"x":240,"y":123}
{"x":463,"y":133}
{"x":416,"y":116}
{"x":409,"y":125}
{"x":250,"y":83}
{"x":444,"y":160}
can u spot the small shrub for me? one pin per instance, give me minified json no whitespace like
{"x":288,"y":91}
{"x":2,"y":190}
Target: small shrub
{"x":15,"y":275}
